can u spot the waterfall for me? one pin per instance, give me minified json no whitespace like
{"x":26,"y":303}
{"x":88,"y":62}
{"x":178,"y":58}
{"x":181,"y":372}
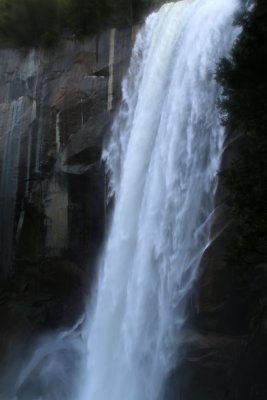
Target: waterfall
{"x":163,"y":157}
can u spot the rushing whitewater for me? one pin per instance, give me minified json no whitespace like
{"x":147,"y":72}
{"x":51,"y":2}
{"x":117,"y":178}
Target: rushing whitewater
{"x":163,"y":156}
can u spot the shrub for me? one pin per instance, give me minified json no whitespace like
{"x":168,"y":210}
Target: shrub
{"x":34,"y":22}
{"x":244,"y":107}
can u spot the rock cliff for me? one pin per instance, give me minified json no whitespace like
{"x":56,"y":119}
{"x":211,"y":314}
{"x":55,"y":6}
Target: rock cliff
{"x":224,"y":345}
{"x":55,"y":106}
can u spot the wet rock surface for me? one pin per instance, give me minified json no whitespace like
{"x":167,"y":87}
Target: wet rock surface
{"x":55,"y":107}
{"x":224,"y":346}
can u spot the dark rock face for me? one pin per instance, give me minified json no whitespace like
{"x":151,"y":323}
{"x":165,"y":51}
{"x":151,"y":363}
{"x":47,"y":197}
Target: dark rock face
{"x":55,"y":107}
{"x":224,"y":347}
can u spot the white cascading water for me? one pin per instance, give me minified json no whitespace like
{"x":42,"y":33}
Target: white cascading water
{"x":163,"y":157}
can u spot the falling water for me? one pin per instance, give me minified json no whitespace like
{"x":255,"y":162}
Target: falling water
{"x":163,"y":156}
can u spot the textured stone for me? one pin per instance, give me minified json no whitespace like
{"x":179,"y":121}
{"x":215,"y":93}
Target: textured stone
{"x":224,"y":346}
{"x":54,"y":109}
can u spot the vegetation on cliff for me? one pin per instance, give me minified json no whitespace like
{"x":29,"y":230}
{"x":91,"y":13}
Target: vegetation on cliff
{"x":244,"y":107}
{"x":244,"y":110}
{"x":34,"y":22}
